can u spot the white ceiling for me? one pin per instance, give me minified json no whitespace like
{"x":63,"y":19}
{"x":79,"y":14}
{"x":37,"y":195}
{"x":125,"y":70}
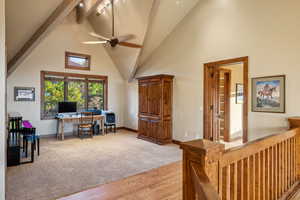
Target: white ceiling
{"x":131,"y":17}
{"x":150,"y":20}
{"x":167,"y":16}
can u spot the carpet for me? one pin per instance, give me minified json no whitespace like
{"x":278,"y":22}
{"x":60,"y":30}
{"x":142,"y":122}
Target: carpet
{"x":73,"y":165}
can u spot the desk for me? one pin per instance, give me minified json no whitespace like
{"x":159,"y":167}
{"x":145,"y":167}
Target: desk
{"x":61,"y":121}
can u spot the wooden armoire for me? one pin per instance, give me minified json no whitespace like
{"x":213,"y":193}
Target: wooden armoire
{"x":155,"y":108}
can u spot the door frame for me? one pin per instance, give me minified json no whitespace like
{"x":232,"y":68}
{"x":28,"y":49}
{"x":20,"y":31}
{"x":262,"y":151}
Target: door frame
{"x":207,"y":116}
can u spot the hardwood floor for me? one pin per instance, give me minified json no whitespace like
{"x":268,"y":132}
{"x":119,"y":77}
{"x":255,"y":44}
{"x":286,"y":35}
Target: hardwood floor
{"x":164,"y":183}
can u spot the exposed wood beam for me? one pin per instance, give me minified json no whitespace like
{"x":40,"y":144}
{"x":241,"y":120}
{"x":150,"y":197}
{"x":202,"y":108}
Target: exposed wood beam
{"x":57,"y":16}
{"x":153,"y":11}
{"x":89,"y":6}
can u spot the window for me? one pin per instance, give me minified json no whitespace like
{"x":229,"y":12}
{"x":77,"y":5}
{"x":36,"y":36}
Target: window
{"x":89,"y":91}
{"x":77,"y":61}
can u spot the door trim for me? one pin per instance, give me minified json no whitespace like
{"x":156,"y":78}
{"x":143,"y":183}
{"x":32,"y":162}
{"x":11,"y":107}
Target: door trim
{"x":206,"y":115}
{"x":227,"y":92}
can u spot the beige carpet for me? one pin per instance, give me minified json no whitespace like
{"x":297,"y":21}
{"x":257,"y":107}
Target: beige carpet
{"x":73,"y":165}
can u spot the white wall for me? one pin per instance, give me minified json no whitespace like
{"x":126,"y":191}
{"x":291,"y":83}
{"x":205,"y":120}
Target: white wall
{"x":266,"y":31}
{"x":2,"y":101}
{"x":49,"y":55}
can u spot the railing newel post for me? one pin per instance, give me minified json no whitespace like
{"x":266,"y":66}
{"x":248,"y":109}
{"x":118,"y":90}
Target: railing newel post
{"x":207,"y":155}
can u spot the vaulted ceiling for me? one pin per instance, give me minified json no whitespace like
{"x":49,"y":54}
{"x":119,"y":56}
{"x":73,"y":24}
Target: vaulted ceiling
{"x":150,"y":21}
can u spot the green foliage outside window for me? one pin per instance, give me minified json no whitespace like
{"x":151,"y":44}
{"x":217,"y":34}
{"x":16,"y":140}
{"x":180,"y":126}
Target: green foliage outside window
{"x":96,"y":95}
{"x":54,"y":93}
{"x":76,"y":92}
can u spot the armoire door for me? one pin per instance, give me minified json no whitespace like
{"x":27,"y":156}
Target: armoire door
{"x":154,"y":98}
{"x":143,"y":98}
{"x":154,"y":128}
{"x":144,"y":126}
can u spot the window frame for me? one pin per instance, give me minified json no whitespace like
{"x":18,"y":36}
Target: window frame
{"x":79,"y":55}
{"x":69,"y":77}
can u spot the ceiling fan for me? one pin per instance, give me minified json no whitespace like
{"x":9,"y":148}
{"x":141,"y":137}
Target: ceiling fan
{"x":114,"y":41}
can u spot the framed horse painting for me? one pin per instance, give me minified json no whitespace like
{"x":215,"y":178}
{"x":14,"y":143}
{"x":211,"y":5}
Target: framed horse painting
{"x":268,"y":94}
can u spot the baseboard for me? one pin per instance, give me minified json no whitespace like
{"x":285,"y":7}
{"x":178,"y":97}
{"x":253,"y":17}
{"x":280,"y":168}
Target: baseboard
{"x":128,"y":129}
{"x":176,"y":142}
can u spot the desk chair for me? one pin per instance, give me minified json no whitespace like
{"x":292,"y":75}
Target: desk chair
{"x":110,"y":121}
{"x":29,"y":135}
{"x":86,"y":124}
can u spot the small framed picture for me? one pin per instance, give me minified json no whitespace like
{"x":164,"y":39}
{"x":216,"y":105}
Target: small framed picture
{"x":239,"y":93}
{"x":24,"y":93}
{"x":77,"y":61}
{"x":268,"y":94}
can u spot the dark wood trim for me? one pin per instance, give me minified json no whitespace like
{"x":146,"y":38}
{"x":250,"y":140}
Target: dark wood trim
{"x":206,"y":115}
{"x":42,"y":97}
{"x":227,"y":113}
{"x":79,"y":55}
{"x":65,"y":76}
{"x":159,"y":76}
{"x":176,"y":142}
{"x":284,"y":82}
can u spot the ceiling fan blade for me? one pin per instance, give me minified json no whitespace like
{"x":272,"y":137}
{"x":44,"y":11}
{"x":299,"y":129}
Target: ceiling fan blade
{"x":124,"y":38}
{"x":94,"y":42}
{"x":132,"y":45}
{"x":113,"y":18}
{"x":99,"y":36}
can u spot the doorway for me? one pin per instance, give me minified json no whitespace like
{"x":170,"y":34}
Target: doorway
{"x":226,"y":100}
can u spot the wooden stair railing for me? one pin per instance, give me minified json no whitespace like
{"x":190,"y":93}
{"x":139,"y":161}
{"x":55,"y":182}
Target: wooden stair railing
{"x":266,"y":169}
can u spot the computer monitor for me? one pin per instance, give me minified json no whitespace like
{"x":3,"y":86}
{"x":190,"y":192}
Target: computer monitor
{"x":67,"y":107}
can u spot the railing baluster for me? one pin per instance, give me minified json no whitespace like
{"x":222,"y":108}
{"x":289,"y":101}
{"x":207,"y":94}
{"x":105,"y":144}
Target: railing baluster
{"x":240,"y":180}
{"x":228,"y":182}
{"x":286,"y":165}
{"x":275,"y":171}
{"x":262,"y":174}
{"x":224,"y":183}
{"x":257,"y":176}
{"x":220,"y":185}
{"x":279,"y":170}
{"x":267,"y":175}
{"x":246,"y":185}
{"x":271,"y":188}
{"x":290,"y":162}
{"x":233,"y":181}
{"x":282,"y":169}
{"x":293,"y":160}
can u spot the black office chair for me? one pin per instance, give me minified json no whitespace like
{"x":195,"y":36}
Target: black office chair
{"x":110,"y":122}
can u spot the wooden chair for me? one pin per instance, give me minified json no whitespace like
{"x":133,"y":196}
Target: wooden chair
{"x":86,"y":124}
